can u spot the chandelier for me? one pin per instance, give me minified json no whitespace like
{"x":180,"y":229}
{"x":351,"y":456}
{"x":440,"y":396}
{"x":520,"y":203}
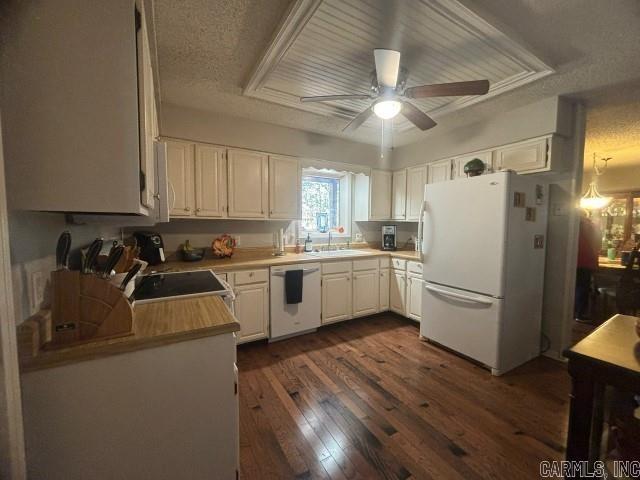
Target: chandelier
{"x":592,"y":199}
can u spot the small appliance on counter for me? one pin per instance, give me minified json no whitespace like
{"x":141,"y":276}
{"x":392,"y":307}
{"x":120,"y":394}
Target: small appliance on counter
{"x":151,"y":247}
{"x":388,"y":237}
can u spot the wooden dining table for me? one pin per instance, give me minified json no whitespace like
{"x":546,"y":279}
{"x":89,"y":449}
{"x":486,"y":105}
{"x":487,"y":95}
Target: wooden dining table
{"x":610,"y":355}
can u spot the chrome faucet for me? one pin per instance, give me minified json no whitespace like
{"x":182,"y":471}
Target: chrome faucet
{"x":329,"y":244}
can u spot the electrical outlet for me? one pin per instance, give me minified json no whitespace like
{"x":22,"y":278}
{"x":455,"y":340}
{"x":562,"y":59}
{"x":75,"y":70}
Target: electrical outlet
{"x":37,"y":285}
{"x":237,"y":238}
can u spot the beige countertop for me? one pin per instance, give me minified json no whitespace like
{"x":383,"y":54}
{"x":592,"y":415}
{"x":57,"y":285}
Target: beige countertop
{"x":154,"y":324}
{"x":260,"y":259}
{"x":162,"y":323}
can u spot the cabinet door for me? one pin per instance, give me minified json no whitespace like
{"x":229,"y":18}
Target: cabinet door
{"x":180,"y":178}
{"x":147,"y":116}
{"x":414,"y":297}
{"x":284,"y":187}
{"x":248,"y":184}
{"x":397,"y":292}
{"x":210,"y":181}
{"x":416,"y":180}
{"x":399,"y":192}
{"x":336,"y":297}
{"x":384,"y":290}
{"x":365,"y":292}
{"x":439,"y":171}
{"x":252,"y":311}
{"x":380,"y":195}
{"x":523,"y":157}
{"x":460,"y":162}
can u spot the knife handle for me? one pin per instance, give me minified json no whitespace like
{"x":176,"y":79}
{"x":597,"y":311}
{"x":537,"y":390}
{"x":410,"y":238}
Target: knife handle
{"x":92,"y":255}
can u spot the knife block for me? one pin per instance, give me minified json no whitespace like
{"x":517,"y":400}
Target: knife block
{"x":87,"y":308}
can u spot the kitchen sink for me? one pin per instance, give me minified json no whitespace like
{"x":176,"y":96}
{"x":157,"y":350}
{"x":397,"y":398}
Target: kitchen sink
{"x":338,"y":253}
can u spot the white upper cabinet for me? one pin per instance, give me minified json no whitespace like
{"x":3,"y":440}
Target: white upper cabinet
{"x":80,"y":102}
{"x":380,"y":195}
{"x":416,"y":180}
{"x":247,"y":183}
{"x":460,"y":162}
{"x":180,"y":178}
{"x":439,"y":171}
{"x":284,"y":187}
{"x":528,"y":156}
{"x":399,"y":192}
{"x":210,"y":181}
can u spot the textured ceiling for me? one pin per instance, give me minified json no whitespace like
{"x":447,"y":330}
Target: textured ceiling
{"x":208,"y":49}
{"x":613,"y":130}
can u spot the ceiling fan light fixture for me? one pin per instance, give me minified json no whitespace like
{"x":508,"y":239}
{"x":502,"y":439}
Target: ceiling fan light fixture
{"x":387,"y":109}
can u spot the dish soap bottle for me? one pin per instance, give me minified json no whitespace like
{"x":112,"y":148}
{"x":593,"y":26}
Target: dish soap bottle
{"x":308,"y":244}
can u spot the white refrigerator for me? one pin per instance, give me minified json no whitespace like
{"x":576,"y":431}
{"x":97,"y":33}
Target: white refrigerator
{"x":482,"y":242}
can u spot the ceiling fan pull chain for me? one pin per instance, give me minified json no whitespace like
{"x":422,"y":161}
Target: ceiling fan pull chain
{"x":382,"y":139}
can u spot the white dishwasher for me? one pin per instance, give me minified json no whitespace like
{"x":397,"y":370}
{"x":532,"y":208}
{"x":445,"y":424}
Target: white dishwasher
{"x":292,"y":319}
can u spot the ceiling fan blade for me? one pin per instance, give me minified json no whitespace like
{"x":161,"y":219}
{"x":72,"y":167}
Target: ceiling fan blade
{"x":326,"y":98}
{"x":475,"y":87}
{"x":358,"y":120}
{"x":387,"y":67}
{"x":417,"y":117}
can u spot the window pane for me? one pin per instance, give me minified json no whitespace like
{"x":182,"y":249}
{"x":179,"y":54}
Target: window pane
{"x":320,"y":195}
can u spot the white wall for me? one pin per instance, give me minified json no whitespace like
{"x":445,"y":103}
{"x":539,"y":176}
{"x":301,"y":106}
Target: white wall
{"x":232,"y":131}
{"x":551,"y":115}
{"x":33,"y":237}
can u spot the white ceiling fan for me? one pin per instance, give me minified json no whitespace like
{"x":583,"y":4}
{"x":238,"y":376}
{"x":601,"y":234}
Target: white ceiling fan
{"x":390,"y":96}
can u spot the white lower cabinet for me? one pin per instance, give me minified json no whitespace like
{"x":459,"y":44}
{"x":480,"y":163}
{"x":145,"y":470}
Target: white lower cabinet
{"x":252,"y":304}
{"x":365,"y":292}
{"x":397,"y":291}
{"x":336,"y":297}
{"x":414,"y":297}
{"x":383,"y":299}
{"x":151,"y":429}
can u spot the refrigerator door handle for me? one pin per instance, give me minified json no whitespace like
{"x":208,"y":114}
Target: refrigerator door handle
{"x":420,"y":235}
{"x":457,"y":295}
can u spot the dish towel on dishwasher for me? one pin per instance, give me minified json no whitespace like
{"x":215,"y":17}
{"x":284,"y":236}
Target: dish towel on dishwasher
{"x":293,"y":286}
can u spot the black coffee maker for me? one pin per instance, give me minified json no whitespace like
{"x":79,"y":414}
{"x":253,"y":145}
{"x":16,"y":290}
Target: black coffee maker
{"x":151,"y":247}
{"x":388,"y":237}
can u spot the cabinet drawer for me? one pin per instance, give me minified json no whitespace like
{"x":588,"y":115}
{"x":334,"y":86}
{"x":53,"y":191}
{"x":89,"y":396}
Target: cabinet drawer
{"x":414,"y":267}
{"x":251,"y":276}
{"x":385,"y":262}
{"x":399,"y":264}
{"x":368,"y":264}
{"x":336,"y":267}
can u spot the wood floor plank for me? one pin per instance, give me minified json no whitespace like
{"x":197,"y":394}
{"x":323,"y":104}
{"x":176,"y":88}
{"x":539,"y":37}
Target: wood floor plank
{"x":367,"y":399}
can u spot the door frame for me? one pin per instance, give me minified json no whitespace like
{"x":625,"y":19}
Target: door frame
{"x":579,"y":132}
{"x":12,"y":451}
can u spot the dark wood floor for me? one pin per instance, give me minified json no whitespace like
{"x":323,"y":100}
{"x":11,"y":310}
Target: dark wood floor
{"x":366,"y":399}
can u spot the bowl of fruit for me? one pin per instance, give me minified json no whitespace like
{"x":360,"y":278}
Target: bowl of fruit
{"x":223,"y":246}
